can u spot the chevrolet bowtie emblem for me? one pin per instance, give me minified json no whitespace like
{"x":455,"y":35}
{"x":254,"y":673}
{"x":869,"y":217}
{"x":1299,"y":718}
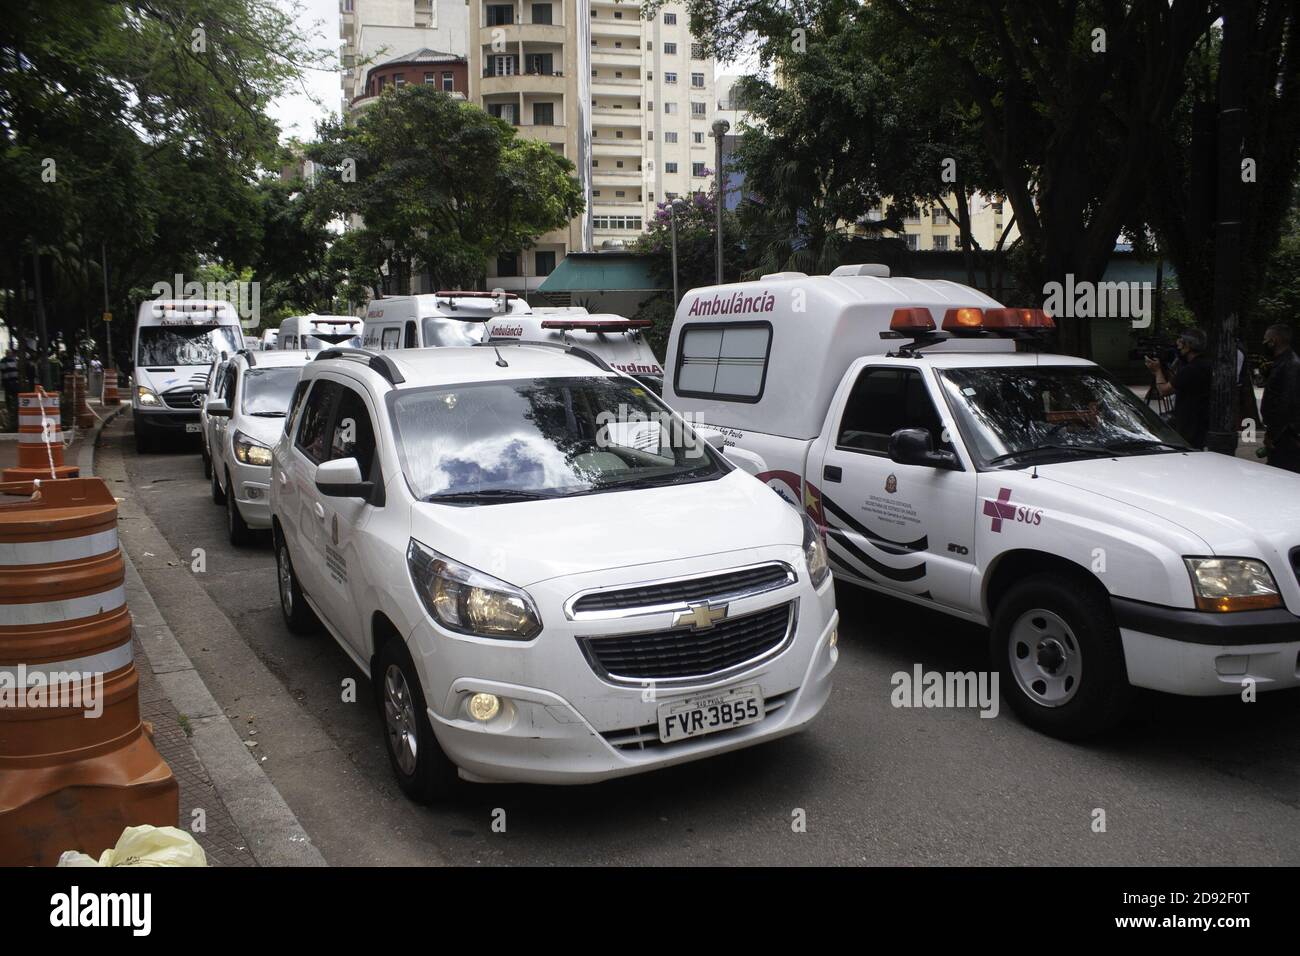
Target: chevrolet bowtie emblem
{"x":701,"y":615}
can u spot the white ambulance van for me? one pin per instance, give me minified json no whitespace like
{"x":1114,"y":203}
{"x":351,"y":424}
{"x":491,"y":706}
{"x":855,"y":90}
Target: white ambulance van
{"x":269,"y":339}
{"x":176,"y":342}
{"x":436,"y":318}
{"x":311,"y":333}
{"x":1025,"y":491}
{"x":619,"y":341}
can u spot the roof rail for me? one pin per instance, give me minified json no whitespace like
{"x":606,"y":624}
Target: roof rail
{"x":577,"y":350}
{"x":383,"y":364}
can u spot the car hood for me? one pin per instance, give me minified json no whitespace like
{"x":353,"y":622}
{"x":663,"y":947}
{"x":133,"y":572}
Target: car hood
{"x":530,"y":541}
{"x":1237,"y":507}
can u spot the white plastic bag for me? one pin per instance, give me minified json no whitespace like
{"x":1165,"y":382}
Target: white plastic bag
{"x":144,"y":846}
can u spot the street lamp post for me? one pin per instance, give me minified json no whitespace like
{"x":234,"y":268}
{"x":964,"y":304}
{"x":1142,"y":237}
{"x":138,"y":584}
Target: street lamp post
{"x":720,"y":128}
{"x":672,"y":215}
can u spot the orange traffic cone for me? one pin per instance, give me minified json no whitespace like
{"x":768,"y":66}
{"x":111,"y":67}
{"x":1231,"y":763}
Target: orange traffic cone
{"x":40,"y":439}
{"x":76,"y":765}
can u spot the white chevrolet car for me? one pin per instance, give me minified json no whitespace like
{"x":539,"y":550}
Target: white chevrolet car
{"x":246,"y":418}
{"x":534,"y":598}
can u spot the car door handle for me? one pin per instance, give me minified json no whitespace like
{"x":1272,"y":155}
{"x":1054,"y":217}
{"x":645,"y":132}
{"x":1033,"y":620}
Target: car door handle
{"x":832,"y":473}
{"x":320,"y":511}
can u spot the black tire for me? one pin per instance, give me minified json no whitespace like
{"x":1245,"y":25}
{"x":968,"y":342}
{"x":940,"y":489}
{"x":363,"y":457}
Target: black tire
{"x":143,"y":441}
{"x":207,"y":464}
{"x":431,"y":776}
{"x":240,"y":533}
{"x":298,"y":617}
{"x":1068,"y":655}
{"x":218,"y":496}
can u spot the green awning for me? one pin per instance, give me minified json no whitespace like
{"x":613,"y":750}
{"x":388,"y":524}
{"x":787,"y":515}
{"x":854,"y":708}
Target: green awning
{"x":601,"y":272}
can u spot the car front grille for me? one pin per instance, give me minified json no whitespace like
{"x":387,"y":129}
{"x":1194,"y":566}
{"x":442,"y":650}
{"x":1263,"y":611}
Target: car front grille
{"x":179,"y":398}
{"x":727,"y":586}
{"x":688,"y":653}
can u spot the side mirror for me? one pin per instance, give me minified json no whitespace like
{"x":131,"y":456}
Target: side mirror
{"x":915,"y":446}
{"x":341,"y":478}
{"x":217,"y":408}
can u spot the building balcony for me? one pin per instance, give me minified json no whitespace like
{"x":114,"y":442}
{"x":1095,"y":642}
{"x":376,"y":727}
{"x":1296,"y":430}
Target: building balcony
{"x":522,"y":83}
{"x":526,"y":32}
{"x":615,"y":177}
{"x":618,"y":206}
{"x":544,"y":134}
{"x":608,"y":116}
{"x":607,"y":56}
{"x":615,"y":147}
{"x":602,"y":27}
{"x":614,"y":87}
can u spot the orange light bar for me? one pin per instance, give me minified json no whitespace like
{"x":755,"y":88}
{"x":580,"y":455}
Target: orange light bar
{"x":596,"y":325}
{"x":914,"y":321}
{"x":999,"y":320}
{"x":963,"y":320}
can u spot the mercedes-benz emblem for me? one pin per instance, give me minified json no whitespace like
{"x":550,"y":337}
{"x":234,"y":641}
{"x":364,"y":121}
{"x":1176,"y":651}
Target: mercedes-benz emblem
{"x":197,"y":400}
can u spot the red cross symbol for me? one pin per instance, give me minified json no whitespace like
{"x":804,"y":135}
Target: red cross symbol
{"x":1000,"y":510}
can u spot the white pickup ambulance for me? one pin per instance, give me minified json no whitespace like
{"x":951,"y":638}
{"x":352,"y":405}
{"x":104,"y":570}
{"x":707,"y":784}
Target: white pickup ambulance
{"x":176,"y":342}
{"x":618,"y":340}
{"x":1025,"y":491}
{"x":435,"y":318}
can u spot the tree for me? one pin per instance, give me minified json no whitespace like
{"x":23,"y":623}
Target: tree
{"x":441,"y":186}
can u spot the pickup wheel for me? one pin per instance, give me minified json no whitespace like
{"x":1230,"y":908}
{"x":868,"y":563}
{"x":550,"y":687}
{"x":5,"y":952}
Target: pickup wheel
{"x":1060,"y":659}
{"x":298,"y":617}
{"x":422,"y":769}
{"x":218,"y":496}
{"x":240,"y":533}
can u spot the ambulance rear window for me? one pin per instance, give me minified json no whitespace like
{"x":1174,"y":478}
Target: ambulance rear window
{"x":724,"y":361}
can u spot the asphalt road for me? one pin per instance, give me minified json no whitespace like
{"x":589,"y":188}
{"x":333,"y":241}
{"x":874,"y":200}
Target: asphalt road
{"x":1185,"y":782}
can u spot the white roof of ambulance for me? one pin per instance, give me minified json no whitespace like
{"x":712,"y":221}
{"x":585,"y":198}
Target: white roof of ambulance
{"x":820,"y":324}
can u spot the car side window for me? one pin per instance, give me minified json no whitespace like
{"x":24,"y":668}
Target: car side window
{"x":312,"y":439}
{"x":391,"y":338}
{"x":228,"y":390}
{"x":295,"y":403}
{"x":412,"y":340}
{"x":882,"y":401}
{"x":353,"y":434}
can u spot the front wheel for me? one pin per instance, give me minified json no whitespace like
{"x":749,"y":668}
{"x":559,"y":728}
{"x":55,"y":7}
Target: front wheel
{"x":299,"y":618}
{"x":1060,"y":658}
{"x":239,"y":531}
{"x":423,"y":771}
{"x":218,"y":496}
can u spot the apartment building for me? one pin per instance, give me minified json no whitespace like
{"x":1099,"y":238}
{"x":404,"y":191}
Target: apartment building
{"x":424,"y":35}
{"x":931,"y":229}
{"x":628,"y":100}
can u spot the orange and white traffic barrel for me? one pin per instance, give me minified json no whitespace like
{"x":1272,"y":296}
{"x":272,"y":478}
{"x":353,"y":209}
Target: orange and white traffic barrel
{"x":76,"y":764}
{"x":40,"y":439}
{"x":110,"y":395}
{"x":84,"y":417}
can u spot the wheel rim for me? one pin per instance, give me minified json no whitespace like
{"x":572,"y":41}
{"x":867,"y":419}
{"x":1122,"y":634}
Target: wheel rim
{"x":230,"y":512}
{"x":286,"y":580}
{"x":399,"y":713}
{"x":1046,"y":659}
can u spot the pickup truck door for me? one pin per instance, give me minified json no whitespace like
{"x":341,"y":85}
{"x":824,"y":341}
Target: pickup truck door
{"x":909,"y":529}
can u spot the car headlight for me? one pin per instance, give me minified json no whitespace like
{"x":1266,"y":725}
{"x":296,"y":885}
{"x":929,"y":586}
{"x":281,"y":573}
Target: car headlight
{"x":146,"y":396}
{"x":467,"y":601}
{"x":250,"y":452}
{"x":1232,"y":584}
{"x":814,"y":553}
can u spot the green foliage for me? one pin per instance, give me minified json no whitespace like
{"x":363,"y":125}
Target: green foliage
{"x":441,"y":187}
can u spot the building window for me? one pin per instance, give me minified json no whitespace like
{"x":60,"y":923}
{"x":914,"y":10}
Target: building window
{"x":670,"y":109}
{"x":670,"y":167}
{"x":649,"y":76}
{"x":697,"y":109}
{"x":670,"y":49}
{"x":697,"y":81}
{"x":940,"y":243}
{"x":618,"y":134}
{"x":671,"y":196}
{"x":448,"y":82}
{"x":615,"y":222}
{"x":505,"y":111}
{"x":540,"y":64}
{"x":939,"y":217}
{"x":670,"y":77}
{"x":697,"y":169}
{"x":619,"y":163}
{"x":910,"y":240}
{"x":545,"y":263}
{"x":508,"y":264}
{"x":428,"y":77}
{"x":670,"y":136}
{"x":543,"y":114}
{"x":620,"y":194}
{"x":997,"y":209}
{"x":697,"y":51}
{"x":502,"y":65}
{"x":542,"y":13}
{"x":618,"y":14}
{"x":697,"y":137}
{"x":670,"y":19}
{"x":500,"y":14}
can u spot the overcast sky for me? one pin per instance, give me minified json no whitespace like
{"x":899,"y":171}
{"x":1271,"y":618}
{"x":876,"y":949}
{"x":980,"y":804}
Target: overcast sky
{"x":296,"y":113}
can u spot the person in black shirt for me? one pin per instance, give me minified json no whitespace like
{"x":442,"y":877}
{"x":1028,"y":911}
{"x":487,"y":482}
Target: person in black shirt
{"x":1190,"y":387}
{"x":1280,"y":408}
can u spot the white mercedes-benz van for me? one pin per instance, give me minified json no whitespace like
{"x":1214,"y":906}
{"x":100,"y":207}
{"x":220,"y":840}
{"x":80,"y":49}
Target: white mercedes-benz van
{"x":176,"y":342}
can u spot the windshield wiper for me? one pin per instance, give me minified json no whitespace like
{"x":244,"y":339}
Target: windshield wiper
{"x":268,"y":414}
{"x":1087,"y":449}
{"x":487,"y":494}
{"x":678,"y":478}
{"x":1135,"y":443}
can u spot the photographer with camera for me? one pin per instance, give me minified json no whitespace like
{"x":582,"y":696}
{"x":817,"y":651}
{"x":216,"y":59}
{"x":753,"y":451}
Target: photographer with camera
{"x":1280,"y":408}
{"x":1189,"y":383}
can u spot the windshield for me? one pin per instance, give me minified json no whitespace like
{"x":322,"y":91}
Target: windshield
{"x":1016,"y":415}
{"x":325,"y":340}
{"x":440,"y":330}
{"x":185,"y":344}
{"x":267,"y":390}
{"x":501,"y":441}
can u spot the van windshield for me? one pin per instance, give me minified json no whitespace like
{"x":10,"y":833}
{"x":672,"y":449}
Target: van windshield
{"x":492,"y":442}
{"x":323,"y":340}
{"x":267,"y":390}
{"x":184,"y":344}
{"x":1019,"y":415}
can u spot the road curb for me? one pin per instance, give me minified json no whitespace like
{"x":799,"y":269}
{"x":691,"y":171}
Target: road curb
{"x":274,"y":834}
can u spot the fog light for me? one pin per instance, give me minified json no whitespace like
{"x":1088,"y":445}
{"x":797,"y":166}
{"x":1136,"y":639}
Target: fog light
{"x":253,"y":493}
{"x":483,"y":707}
